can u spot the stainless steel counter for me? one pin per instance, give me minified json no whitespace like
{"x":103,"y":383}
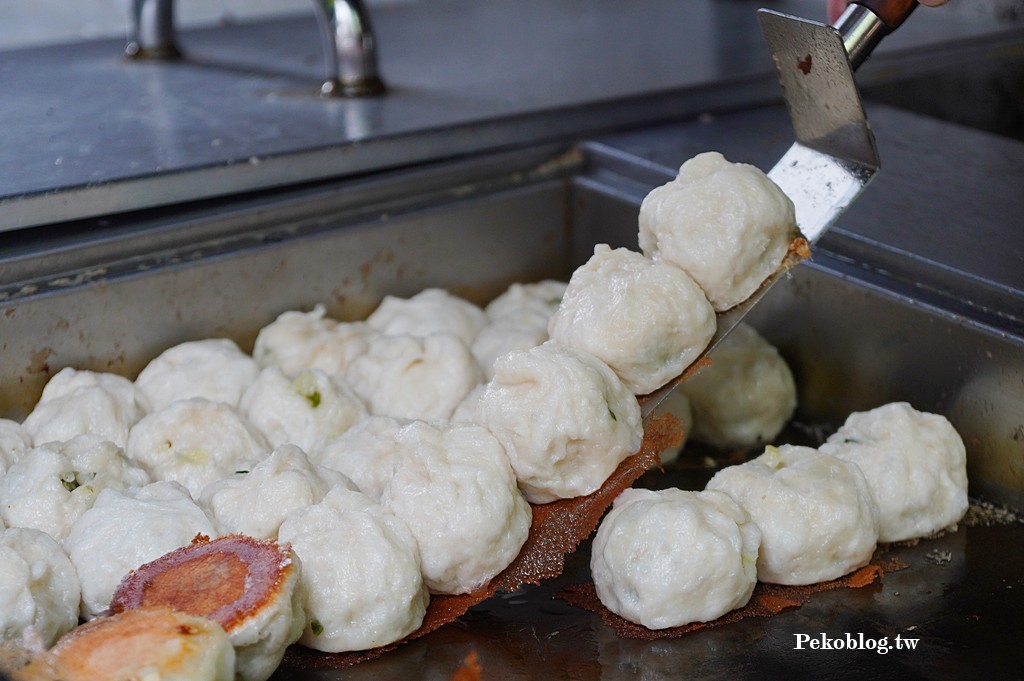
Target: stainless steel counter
{"x":88,"y":134}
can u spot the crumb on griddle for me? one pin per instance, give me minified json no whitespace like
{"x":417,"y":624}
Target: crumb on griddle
{"x":470,"y":670}
{"x":939,"y":557}
{"x":986,"y":514}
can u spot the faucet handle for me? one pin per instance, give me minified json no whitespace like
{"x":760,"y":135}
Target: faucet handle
{"x":151,"y":30}
{"x":350,"y":47}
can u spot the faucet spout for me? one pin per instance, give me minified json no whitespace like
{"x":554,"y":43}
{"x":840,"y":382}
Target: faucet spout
{"x":351,"y":49}
{"x":151,"y":30}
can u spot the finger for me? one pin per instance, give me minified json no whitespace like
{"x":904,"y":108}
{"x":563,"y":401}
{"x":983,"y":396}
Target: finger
{"x":836,"y":9}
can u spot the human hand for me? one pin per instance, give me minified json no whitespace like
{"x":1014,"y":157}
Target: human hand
{"x":837,"y":7}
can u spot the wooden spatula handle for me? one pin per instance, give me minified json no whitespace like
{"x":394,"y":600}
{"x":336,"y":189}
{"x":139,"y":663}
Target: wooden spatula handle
{"x":891,"y":12}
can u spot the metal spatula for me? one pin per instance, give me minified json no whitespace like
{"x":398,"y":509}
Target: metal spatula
{"x":834,"y":156}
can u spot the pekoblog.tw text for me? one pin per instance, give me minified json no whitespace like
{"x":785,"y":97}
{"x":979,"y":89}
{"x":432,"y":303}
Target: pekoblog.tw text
{"x":857,"y":641}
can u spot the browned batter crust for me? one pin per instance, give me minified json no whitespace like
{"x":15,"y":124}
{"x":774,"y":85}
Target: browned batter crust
{"x":227,"y":580}
{"x":123,"y":645}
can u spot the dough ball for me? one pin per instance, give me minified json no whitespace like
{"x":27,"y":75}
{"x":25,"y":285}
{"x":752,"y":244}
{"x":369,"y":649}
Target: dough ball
{"x":467,"y":409}
{"x":726,"y":224}
{"x":125,"y":529}
{"x":502,"y":336}
{"x":307,"y":409}
{"x":667,"y":558}
{"x":214,"y":369}
{"x":414,"y":377}
{"x":565,"y":419}
{"x":195,"y":442}
{"x":745,"y":397}
{"x":430,"y":311}
{"x":308,"y":340}
{"x":455,"y":489}
{"x":517,"y":320}
{"x":915,"y":464}
{"x":365,"y":453}
{"x":14,"y":442}
{"x":86,"y":402}
{"x":647,"y":320}
{"x":38,"y":586}
{"x":532,"y":303}
{"x":69,"y":380}
{"x":51,"y":486}
{"x":817,"y":518}
{"x":360,"y":573}
{"x":290,"y":341}
{"x":255,"y":502}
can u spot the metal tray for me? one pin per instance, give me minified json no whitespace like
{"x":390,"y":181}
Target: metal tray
{"x":113,"y":301}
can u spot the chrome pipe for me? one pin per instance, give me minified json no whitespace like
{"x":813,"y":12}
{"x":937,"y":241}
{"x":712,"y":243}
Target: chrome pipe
{"x":151,"y":30}
{"x":350,"y":47}
{"x":349,"y":44}
{"x":861,"y":30}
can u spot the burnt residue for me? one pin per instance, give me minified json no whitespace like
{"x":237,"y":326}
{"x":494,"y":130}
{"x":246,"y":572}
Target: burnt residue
{"x":39,"y":362}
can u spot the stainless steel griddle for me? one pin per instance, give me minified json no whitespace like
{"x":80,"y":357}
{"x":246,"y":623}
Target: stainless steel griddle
{"x":851,"y":332}
{"x":916,"y":294}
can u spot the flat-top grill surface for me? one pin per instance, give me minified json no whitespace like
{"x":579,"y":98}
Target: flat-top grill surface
{"x":855,"y":334}
{"x":960,"y":596}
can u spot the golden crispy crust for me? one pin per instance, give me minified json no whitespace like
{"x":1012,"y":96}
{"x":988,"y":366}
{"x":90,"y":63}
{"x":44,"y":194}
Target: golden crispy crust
{"x":227,"y":580}
{"x":119,"y":646}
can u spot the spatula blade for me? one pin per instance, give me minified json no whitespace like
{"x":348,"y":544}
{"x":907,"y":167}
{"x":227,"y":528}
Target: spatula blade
{"x":819,"y":185}
{"x":834,"y":156}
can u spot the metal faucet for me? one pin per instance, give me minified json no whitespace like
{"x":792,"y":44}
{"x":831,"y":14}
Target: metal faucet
{"x":151,"y":30}
{"x":349,"y":44}
{"x":350,"y":48}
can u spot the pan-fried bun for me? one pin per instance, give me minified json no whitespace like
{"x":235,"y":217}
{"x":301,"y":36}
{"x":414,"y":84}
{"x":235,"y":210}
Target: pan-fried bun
{"x":671,"y":557}
{"x":565,"y":419}
{"x":915,"y":464}
{"x":817,"y":518}
{"x":646,"y":319}
{"x":726,"y":224}
{"x":153,"y":642}
{"x":245,"y":585}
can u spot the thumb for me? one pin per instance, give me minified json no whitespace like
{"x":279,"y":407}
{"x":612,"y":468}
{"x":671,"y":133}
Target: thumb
{"x":835,"y":9}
